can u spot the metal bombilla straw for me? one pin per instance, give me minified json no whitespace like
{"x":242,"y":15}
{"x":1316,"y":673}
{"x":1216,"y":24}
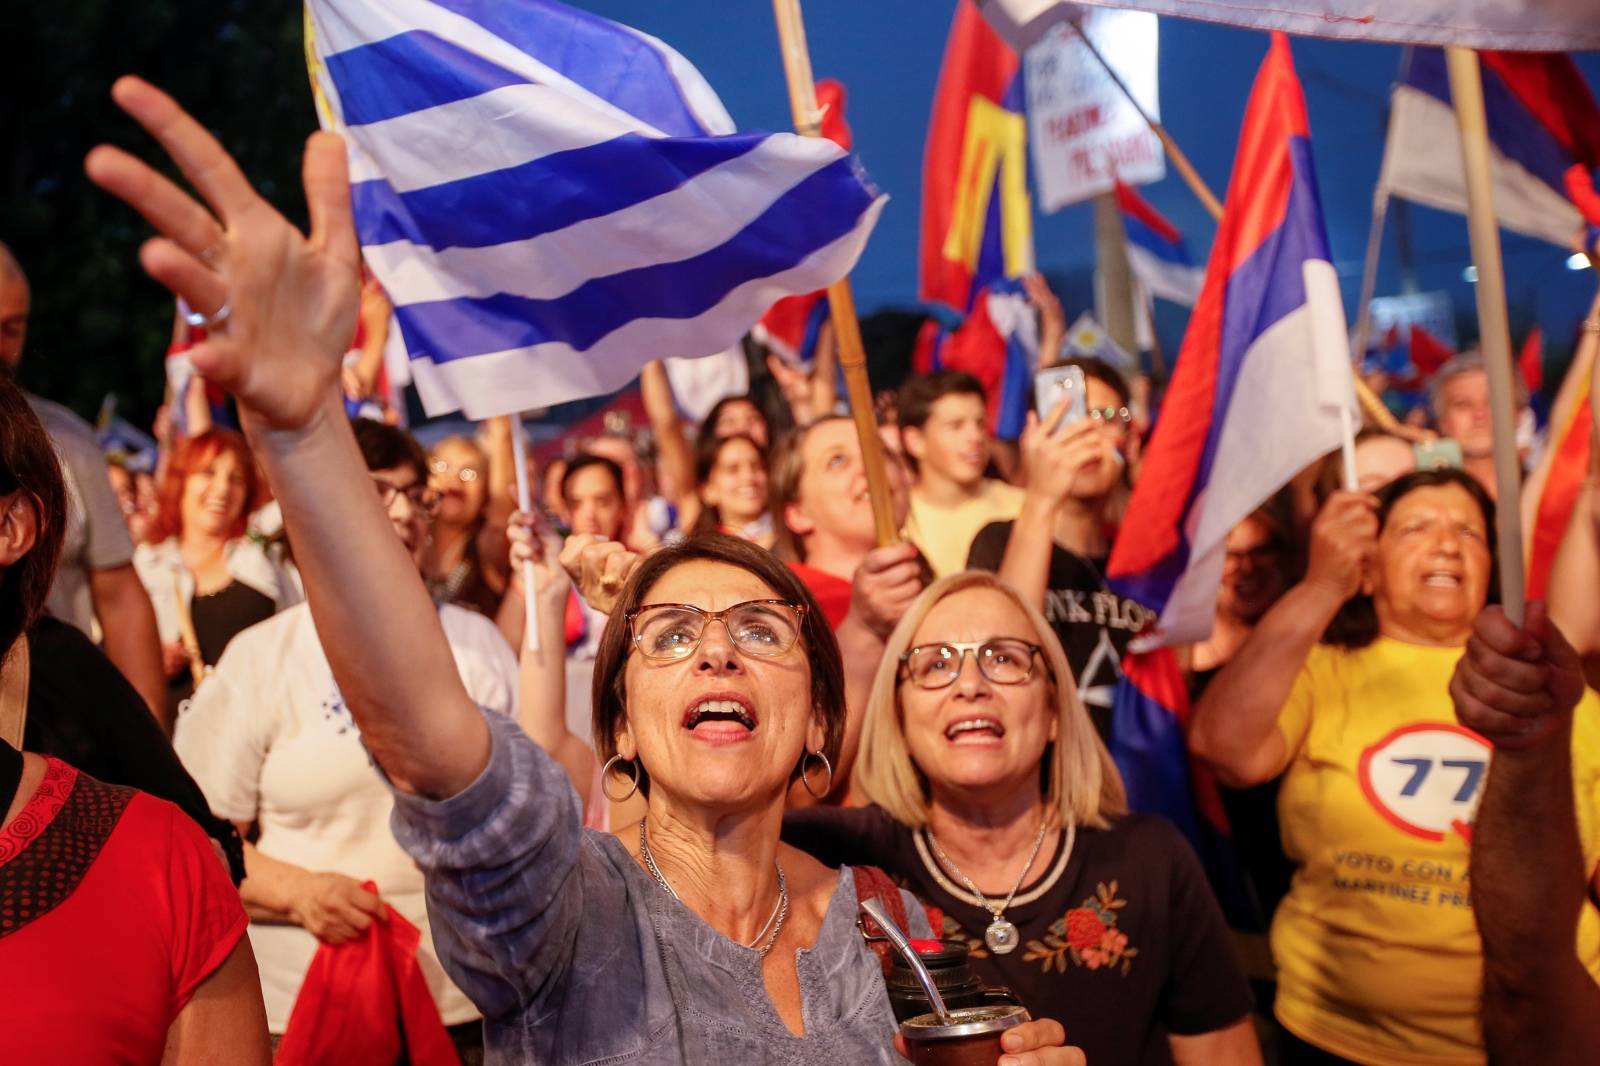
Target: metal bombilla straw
{"x":874,"y":910}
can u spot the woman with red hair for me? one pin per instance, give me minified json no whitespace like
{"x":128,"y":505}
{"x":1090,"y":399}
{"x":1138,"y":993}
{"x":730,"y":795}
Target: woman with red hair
{"x":207,"y":580}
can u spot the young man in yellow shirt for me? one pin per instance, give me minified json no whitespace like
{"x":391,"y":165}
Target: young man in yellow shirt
{"x":944,"y":425}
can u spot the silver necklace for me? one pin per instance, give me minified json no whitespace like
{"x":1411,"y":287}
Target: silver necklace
{"x":767,"y":937}
{"x":1001,"y":936}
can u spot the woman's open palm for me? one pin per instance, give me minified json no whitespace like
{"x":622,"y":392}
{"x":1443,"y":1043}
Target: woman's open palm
{"x":284,"y":304}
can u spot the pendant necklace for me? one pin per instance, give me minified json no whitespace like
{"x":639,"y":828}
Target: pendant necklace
{"x":1001,"y":936}
{"x":767,"y":937}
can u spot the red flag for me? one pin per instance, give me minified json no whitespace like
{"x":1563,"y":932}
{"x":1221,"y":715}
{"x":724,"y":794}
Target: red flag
{"x":1531,"y":361}
{"x":1562,"y":473}
{"x":1428,"y":353}
{"x":976,"y":218}
{"x":786,"y":325}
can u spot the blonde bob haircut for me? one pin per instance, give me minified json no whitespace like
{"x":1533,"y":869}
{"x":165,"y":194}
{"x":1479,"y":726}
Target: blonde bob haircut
{"x":1080,"y":781}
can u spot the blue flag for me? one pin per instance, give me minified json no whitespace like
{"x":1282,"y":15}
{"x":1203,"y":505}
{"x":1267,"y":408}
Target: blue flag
{"x":552,"y":200}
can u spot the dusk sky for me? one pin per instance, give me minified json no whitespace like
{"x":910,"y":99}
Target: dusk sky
{"x":888,"y":54}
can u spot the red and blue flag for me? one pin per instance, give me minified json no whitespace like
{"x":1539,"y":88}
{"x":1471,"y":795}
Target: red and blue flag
{"x":1149,"y":716}
{"x":1261,"y":375}
{"x":1156,"y":251}
{"x":977,"y":221}
{"x":1544,"y":140}
{"x":977,"y":225}
{"x":998,"y":344}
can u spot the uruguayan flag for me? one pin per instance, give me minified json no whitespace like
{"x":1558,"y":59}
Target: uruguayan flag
{"x":552,"y":199}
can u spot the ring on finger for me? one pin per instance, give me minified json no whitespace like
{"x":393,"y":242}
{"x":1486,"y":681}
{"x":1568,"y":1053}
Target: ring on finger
{"x":211,"y":321}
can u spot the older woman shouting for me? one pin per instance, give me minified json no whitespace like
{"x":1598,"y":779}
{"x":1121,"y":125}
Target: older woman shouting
{"x":699,"y":940}
{"x":994,"y":800}
{"x":1378,"y":957}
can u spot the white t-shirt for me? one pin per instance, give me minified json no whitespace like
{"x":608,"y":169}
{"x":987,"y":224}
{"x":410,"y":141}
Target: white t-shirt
{"x":269,"y":739}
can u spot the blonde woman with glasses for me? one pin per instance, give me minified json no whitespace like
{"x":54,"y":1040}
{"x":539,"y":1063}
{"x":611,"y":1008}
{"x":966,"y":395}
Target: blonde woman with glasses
{"x":991,"y":797}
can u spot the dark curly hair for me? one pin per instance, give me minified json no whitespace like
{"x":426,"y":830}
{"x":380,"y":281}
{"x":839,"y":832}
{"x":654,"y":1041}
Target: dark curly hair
{"x":28,"y":462}
{"x":1356,"y":624}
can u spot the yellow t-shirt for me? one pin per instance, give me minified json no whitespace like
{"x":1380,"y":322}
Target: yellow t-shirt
{"x":1378,"y":954}
{"x":945,"y":534}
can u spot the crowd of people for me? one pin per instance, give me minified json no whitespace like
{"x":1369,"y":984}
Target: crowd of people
{"x":288,"y":753}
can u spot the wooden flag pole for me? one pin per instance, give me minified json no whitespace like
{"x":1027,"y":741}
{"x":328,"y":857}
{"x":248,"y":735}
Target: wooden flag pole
{"x":841,"y":302}
{"x":1369,"y":274}
{"x":1494,"y":331}
{"x":1191,"y":176}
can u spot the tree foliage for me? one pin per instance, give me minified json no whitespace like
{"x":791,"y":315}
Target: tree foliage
{"x":98,"y":324}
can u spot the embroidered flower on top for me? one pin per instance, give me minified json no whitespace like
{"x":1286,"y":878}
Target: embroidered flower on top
{"x":1087,"y":935}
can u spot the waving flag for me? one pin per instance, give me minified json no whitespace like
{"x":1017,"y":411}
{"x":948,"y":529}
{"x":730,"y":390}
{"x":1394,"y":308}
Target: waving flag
{"x":1149,"y":714}
{"x":1259,"y":381}
{"x":977,"y":224}
{"x":552,"y":199}
{"x":791,"y":326}
{"x":1156,"y":252}
{"x":1531,"y":25}
{"x":1542,"y":124}
{"x":1555,"y":484}
{"x":998,"y":343}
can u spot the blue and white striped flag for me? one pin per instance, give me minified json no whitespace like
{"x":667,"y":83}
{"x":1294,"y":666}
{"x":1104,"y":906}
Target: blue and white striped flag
{"x":552,"y":199}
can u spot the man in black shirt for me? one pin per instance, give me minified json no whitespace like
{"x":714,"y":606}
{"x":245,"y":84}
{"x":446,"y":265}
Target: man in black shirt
{"x":1056,"y":549}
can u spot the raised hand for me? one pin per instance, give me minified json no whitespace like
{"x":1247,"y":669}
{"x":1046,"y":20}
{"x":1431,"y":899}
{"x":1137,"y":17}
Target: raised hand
{"x":1344,"y":537}
{"x":1516,"y":687}
{"x":533,"y":541}
{"x":1052,"y":320}
{"x":281,"y":305}
{"x":599,"y":568}
{"x":1055,"y":453}
{"x":886,"y":583}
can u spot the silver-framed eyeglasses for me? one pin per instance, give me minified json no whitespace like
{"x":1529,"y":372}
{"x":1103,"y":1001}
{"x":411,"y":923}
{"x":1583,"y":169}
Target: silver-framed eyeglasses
{"x":670,"y":631}
{"x":1111,"y":417}
{"x":1003,"y":660}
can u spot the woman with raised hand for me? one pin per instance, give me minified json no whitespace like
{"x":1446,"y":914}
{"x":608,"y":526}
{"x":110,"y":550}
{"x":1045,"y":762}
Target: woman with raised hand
{"x":1343,"y":688}
{"x":700,"y":939}
{"x":991,"y":797}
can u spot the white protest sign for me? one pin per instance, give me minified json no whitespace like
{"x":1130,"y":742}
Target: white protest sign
{"x":1084,"y":132}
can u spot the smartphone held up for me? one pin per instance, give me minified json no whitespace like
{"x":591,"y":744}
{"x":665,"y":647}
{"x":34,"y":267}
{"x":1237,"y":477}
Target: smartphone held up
{"x":1054,"y":384}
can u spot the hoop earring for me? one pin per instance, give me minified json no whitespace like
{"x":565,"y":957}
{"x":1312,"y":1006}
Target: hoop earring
{"x":805,"y":777}
{"x":605,"y":779}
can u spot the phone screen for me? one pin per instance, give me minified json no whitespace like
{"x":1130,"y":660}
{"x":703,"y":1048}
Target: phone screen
{"x":1057,"y":383}
{"x":1437,"y":454}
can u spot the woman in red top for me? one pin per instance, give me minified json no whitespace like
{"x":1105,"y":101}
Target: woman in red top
{"x":121,"y":935}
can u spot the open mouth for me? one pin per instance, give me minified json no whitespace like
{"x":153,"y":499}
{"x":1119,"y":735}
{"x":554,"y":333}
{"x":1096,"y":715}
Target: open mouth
{"x":721,"y":718}
{"x":978,"y":730}
{"x":1442,"y":579}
